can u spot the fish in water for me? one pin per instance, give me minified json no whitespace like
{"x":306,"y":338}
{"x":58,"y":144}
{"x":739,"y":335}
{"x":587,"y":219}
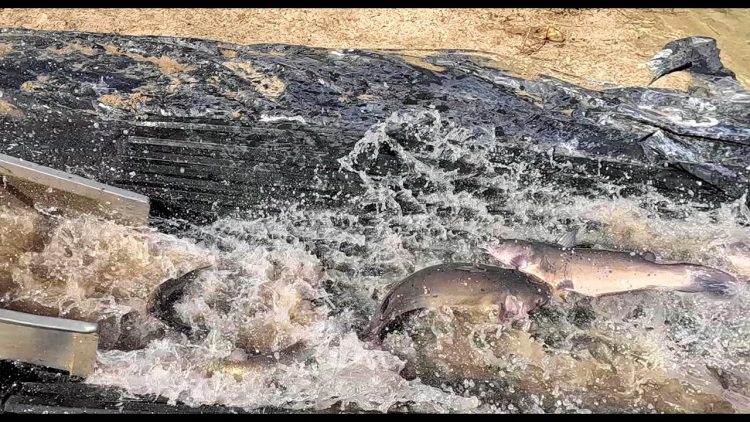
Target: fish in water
{"x":597,"y":272}
{"x":161,"y":303}
{"x":297,"y":352}
{"x":459,"y":284}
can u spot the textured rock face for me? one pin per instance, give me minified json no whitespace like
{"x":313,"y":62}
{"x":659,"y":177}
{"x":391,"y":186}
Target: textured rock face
{"x":205,"y":128}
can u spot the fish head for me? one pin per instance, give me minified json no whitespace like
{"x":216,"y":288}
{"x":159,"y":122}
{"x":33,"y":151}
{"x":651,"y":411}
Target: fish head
{"x":510,"y":253}
{"x":541,"y":300}
{"x":537,"y":294}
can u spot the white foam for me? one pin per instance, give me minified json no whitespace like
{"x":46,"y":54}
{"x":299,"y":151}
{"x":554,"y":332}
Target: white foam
{"x":270,"y":273}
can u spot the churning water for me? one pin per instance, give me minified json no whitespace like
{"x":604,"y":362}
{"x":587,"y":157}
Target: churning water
{"x":314,"y":277}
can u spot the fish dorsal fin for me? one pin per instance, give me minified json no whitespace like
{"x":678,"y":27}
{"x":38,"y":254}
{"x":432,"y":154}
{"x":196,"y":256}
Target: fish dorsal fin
{"x":569,"y":239}
{"x":649,"y":256}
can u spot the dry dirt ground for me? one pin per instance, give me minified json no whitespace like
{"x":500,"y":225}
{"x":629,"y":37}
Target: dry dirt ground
{"x":586,"y":46}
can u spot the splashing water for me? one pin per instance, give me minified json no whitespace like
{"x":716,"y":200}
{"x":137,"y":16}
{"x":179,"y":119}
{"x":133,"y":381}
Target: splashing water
{"x":314,"y":277}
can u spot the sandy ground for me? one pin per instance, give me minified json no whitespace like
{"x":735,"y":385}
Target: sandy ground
{"x":587,"y":46}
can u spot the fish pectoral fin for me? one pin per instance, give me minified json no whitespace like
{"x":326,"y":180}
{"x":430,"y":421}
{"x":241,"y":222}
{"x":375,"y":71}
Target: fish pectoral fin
{"x":519,"y":262}
{"x":569,"y":239}
{"x":566,"y":285}
{"x":513,"y":307}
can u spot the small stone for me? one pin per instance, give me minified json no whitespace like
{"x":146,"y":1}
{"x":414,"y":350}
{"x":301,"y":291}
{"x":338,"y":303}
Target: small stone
{"x":554,"y":35}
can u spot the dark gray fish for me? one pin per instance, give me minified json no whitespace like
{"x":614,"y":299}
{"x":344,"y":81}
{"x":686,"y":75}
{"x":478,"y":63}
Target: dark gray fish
{"x":459,"y":284}
{"x":167,"y":294}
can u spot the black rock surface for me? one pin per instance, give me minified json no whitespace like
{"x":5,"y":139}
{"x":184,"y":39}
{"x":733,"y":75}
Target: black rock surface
{"x":206,"y":128}
{"x":26,"y":388}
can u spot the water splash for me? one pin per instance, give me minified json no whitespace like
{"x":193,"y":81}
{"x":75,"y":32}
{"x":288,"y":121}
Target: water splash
{"x":433,"y":195}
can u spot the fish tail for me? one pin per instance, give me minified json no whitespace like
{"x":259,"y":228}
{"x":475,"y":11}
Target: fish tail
{"x":711,"y":281}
